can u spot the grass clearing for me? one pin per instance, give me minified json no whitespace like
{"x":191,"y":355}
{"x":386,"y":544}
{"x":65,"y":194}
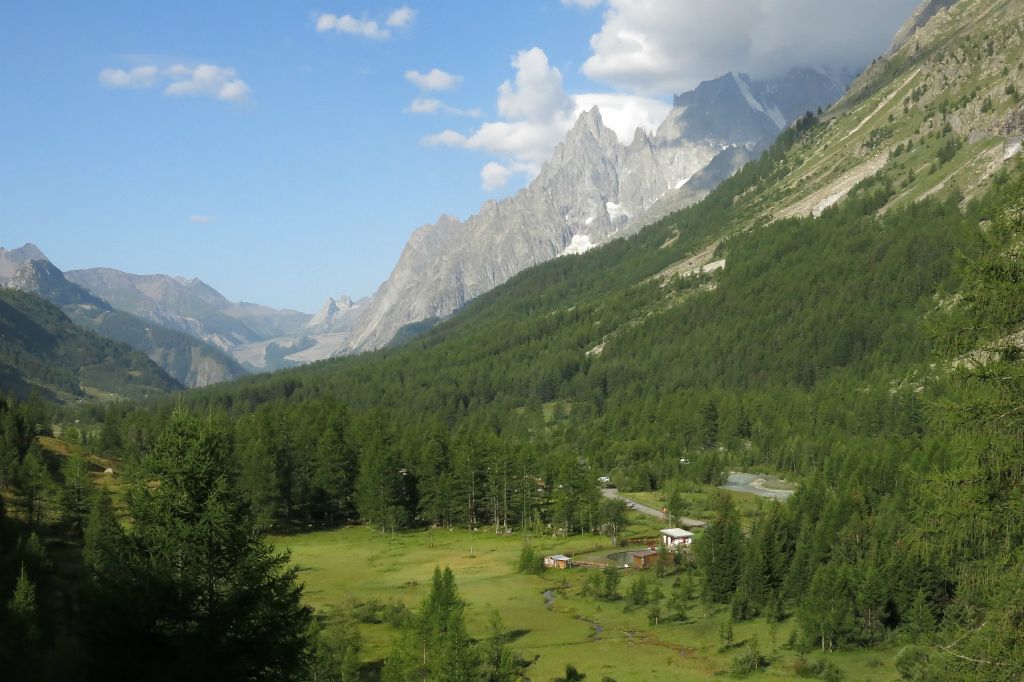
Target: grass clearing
{"x":358,"y":564}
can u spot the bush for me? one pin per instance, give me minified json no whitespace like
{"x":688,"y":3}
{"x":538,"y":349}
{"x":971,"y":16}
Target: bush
{"x":396,"y":614}
{"x":909,"y":660}
{"x":821,"y":669}
{"x":529,"y":562}
{"x":750,"y":660}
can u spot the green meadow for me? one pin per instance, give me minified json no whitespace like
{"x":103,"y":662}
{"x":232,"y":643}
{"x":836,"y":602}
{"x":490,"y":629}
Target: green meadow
{"x":603,"y":639}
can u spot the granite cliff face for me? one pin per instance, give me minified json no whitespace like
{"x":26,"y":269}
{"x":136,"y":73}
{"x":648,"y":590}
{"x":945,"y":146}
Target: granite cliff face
{"x":591,"y":190}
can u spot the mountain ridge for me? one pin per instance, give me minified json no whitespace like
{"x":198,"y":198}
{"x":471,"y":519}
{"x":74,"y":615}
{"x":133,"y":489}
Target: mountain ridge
{"x":591,"y":189}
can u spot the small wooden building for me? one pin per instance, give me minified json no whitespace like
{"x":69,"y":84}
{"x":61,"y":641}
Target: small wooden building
{"x":645,"y":558}
{"x":676,"y":537}
{"x":557,"y":561}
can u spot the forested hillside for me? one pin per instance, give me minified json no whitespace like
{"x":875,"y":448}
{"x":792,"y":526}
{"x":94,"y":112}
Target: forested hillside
{"x":845,"y":311}
{"x":42,"y":350}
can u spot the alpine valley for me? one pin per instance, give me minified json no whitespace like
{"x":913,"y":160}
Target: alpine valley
{"x":738,"y":397}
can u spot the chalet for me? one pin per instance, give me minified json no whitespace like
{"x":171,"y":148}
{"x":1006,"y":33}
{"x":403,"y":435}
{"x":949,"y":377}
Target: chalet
{"x":644,"y":558}
{"x":557,"y":561}
{"x":676,"y":537}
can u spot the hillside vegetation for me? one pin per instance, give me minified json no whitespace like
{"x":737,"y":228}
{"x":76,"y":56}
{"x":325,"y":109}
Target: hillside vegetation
{"x":42,"y":350}
{"x":859,"y":333}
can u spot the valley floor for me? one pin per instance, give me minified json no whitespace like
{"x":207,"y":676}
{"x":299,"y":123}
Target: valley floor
{"x":602,"y":639}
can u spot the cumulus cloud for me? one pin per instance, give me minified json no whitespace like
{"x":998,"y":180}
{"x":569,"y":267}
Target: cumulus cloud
{"x":346,"y":23}
{"x":429,"y":105}
{"x":401,"y":17}
{"x":494,"y":175}
{"x":536,"y":113}
{"x":582,"y":3}
{"x":207,"y":79}
{"x":220,"y":82}
{"x":435,"y":79}
{"x":665,"y":46}
{"x":366,"y":28}
{"x":624,"y":113}
{"x":139,"y":77}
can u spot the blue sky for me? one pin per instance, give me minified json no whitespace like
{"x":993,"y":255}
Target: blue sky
{"x":273,"y":148}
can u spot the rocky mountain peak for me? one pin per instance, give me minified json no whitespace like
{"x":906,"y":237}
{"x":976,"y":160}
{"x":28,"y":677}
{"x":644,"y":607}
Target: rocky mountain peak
{"x":44,"y":278}
{"x":11,"y":260}
{"x":591,"y":189}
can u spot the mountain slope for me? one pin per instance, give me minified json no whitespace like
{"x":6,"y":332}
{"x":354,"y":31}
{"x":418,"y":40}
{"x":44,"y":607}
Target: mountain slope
{"x":11,"y":260}
{"x":190,"y":306}
{"x":188,"y":360}
{"x":592,"y":189}
{"x":562,"y":326}
{"x":41,"y":349}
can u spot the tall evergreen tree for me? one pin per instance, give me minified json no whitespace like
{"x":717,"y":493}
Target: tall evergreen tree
{"x":196,"y":593}
{"x":719,"y":550}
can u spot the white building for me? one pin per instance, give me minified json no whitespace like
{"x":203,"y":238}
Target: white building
{"x":676,"y":537}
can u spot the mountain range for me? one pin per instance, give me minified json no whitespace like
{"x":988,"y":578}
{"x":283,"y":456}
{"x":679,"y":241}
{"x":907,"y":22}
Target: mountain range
{"x":190,"y":361}
{"x":592,"y":189}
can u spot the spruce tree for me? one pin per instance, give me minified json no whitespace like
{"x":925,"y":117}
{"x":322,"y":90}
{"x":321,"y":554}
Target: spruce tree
{"x":191,"y":591}
{"x":719,"y":550}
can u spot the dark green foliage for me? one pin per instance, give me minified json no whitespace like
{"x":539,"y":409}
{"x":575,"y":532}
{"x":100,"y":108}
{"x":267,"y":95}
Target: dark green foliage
{"x":719,"y":550}
{"x":437,"y":646}
{"x":190,"y":590}
{"x":528,"y":561}
{"x":41,"y":349}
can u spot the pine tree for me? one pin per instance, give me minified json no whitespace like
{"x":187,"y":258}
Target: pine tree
{"x":719,"y":550}
{"x":919,"y":619}
{"x":437,"y":648}
{"x":74,"y":492}
{"x":196,"y":593}
{"x":872,"y":597}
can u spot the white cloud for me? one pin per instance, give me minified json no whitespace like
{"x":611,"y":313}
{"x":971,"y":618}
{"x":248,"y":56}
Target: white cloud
{"x":537,"y":93}
{"x":537,"y":113}
{"x":201,"y":219}
{"x":666,"y":46}
{"x":494,"y":175}
{"x":139,"y":77}
{"x":624,"y":113}
{"x":207,"y":79}
{"x":582,"y":3}
{"x":220,"y":82}
{"x":448,"y":138}
{"x":435,"y":79}
{"x":401,"y":17}
{"x":428,"y":105}
{"x":347,"y":23}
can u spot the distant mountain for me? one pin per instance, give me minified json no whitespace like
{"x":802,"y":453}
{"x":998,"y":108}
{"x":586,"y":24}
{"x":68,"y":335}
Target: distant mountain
{"x":189,"y":361}
{"x":41,"y":277}
{"x":190,"y":306}
{"x":592,"y":189}
{"x":10,"y":261}
{"x":42,"y":350}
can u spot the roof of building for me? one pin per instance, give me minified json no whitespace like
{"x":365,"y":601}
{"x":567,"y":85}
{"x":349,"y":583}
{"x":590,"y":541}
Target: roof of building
{"x":676,"y":533}
{"x":559,"y":557}
{"x":646,"y":552}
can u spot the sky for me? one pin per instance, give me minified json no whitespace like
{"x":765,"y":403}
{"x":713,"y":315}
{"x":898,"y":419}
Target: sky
{"x":284,"y":150}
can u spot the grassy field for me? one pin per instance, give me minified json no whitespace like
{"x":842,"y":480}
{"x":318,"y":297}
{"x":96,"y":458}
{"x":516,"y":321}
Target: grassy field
{"x":343,"y":566}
